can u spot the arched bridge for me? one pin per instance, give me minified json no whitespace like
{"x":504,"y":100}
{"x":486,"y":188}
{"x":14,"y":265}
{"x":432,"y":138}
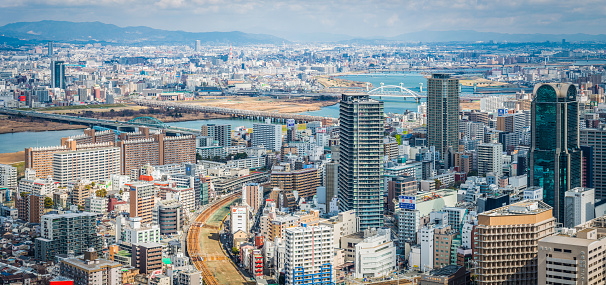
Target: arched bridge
{"x":395,"y":91}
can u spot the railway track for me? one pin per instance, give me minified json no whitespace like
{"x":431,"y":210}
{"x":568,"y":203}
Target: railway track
{"x":193,"y":239}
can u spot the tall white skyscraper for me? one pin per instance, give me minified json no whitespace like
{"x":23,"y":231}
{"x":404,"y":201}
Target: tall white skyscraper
{"x":490,"y":159}
{"x":268,"y":136}
{"x":579,"y":206}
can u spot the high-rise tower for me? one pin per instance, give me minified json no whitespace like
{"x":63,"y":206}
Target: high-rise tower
{"x":361,"y":156}
{"x":555,"y":157}
{"x":443,"y":112}
{"x":58,"y":74}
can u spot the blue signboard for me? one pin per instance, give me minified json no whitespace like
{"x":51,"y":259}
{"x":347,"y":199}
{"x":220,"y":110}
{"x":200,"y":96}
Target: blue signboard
{"x":290,"y":123}
{"x":407,"y":202}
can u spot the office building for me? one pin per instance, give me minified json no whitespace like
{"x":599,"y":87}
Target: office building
{"x":361,"y":158}
{"x":596,"y":139}
{"x":169,"y":215}
{"x":304,"y":181}
{"x":442,"y":112}
{"x":91,"y":270}
{"x":57,"y":74}
{"x":67,"y":233}
{"x":490,"y":159}
{"x":219,"y":133}
{"x":8,"y":176}
{"x":511,"y":123}
{"x":142,"y":200}
{"x":408,"y":222}
{"x":555,"y":157}
{"x":579,"y":207}
{"x":95,"y":164}
{"x":577,"y":259}
{"x":49,"y":49}
{"x":309,"y":255}
{"x":375,"y":256}
{"x":505,"y":242}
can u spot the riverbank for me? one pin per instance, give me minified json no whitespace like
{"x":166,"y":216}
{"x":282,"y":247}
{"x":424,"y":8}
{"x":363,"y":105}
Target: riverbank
{"x":266,"y":103}
{"x":25,"y":124}
{"x":12,"y":157}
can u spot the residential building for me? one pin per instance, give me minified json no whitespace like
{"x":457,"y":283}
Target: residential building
{"x":238,"y":219}
{"x":95,"y":164}
{"x":400,"y":186}
{"x":147,"y":257}
{"x":169,"y":215}
{"x":65,"y":233}
{"x":304,"y":181}
{"x":135,"y":232}
{"x":555,"y":157}
{"x":8,"y":176}
{"x":309,"y":255}
{"x":596,"y":139}
{"x":490,"y":159}
{"x":505,"y":242}
{"x":219,"y":133}
{"x":30,"y":207}
{"x":91,"y":270}
{"x":142,"y":200}
{"x":361,"y":158}
{"x":268,"y":136}
{"x":252,"y":195}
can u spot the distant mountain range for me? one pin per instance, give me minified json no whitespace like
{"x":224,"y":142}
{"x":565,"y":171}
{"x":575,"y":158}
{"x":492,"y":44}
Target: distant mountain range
{"x":90,"y":32}
{"x":23,"y":33}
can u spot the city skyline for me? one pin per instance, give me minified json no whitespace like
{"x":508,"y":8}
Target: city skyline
{"x":338,"y":19}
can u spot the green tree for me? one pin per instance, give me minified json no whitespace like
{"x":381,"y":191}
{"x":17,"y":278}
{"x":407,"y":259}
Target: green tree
{"x":101,"y":192}
{"x":48,"y":202}
{"x":198,"y":156}
{"x":241,"y":155}
{"x":438,"y":184}
{"x":235,"y":250}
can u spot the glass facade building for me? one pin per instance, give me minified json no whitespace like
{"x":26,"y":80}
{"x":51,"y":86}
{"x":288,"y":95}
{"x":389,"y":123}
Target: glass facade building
{"x":443,"y":112}
{"x":555,"y":156}
{"x":361,"y":158}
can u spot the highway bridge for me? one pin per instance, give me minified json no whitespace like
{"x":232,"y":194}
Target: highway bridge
{"x":128,"y":126}
{"x":257,"y":115}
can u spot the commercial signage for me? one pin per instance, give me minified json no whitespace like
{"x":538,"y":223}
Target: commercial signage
{"x":290,"y":123}
{"x":502,"y":112}
{"x":238,"y":211}
{"x":407,"y":202}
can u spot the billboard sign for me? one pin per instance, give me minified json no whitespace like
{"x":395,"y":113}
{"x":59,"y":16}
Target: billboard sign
{"x":290,"y":123}
{"x":501,"y":112}
{"x":238,"y":210}
{"x":407,"y":202}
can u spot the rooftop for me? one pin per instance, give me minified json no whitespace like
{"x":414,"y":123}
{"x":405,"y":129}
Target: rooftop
{"x":527,"y":207}
{"x":445,"y":271}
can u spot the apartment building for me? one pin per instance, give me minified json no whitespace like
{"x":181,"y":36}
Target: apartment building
{"x":8,"y":176}
{"x":30,"y":207}
{"x":575,"y":259}
{"x":490,"y":159}
{"x":92,"y":136}
{"x":91,"y":270}
{"x":304,"y":181}
{"x":63,"y":233}
{"x":252,"y":195}
{"x":43,"y":187}
{"x":156,"y":150}
{"x":309,"y":255}
{"x":169,"y":215}
{"x":506,"y":242}
{"x":147,"y":257}
{"x":142,"y":200}
{"x":268,"y":136}
{"x":96,"y":163}
{"x":375,"y":256}
{"x":132,"y":231}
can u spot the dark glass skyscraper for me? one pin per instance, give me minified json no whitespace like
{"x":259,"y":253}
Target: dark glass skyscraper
{"x":58,"y":74}
{"x":443,"y":112}
{"x":361,"y":158}
{"x":555,"y":157}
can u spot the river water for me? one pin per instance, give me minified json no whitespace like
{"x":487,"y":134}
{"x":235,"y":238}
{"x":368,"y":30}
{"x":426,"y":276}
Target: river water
{"x":14,"y":142}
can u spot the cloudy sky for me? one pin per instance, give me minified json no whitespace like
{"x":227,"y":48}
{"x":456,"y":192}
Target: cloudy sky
{"x":363,"y":18}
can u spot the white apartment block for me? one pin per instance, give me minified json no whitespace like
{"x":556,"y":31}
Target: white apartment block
{"x":408,"y":225}
{"x":95,"y":164}
{"x":309,"y":252}
{"x":134,"y":232}
{"x":427,"y":245}
{"x":42,"y":187}
{"x":375,"y":256}
{"x":239,"y":219}
{"x":95,"y":204}
{"x":490,"y":159}
{"x":268,"y":136}
{"x":8,"y":176}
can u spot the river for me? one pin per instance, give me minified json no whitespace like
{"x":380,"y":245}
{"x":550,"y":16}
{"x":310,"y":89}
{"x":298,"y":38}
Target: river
{"x":14,"y":142}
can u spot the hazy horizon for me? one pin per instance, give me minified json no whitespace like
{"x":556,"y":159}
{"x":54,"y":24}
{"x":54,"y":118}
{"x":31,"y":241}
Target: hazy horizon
{"x":297,"y":18}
